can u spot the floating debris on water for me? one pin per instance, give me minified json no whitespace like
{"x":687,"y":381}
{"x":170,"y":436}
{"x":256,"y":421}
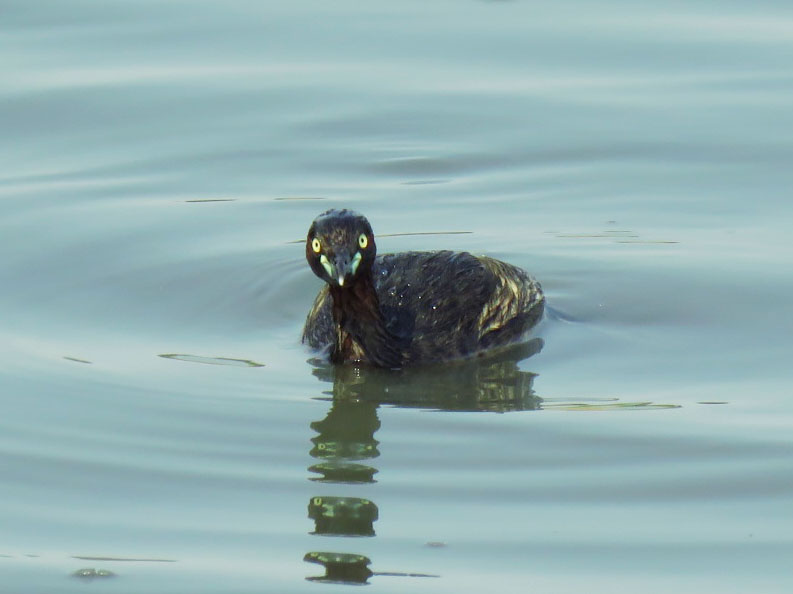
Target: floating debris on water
{"x":606,"y":406}
{"x":76,"y":360}
{"x":135,"y":559}
{"x":212,"y":360}
{"x":647,"y":241}
{"x":616,"y":235}
{"x":407,"y":234}
{"x":91,"y":573}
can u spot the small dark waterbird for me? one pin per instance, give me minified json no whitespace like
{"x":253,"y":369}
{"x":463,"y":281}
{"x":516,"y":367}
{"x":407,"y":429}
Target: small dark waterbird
{"x":411,"y":308}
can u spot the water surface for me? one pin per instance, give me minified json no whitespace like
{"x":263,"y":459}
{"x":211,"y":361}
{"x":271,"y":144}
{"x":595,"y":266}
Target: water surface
{"x":161,"y":165}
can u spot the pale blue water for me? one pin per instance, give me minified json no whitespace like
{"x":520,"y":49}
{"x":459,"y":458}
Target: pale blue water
{"x":161,"y":163}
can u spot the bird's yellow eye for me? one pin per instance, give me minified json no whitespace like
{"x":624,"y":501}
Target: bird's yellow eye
{"x":316,"y":245}
{"x":363,"y":241}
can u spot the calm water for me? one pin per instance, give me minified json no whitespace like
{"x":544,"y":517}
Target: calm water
{"x":161,"y":163}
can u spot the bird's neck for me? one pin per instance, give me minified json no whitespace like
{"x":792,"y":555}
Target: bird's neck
{"x":361,"y":332}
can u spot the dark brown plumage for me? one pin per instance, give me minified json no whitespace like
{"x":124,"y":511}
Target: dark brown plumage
{"x":410,"y":308}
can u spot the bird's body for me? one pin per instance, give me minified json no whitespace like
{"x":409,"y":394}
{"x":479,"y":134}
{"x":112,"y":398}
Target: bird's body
{"x":410,"y":308}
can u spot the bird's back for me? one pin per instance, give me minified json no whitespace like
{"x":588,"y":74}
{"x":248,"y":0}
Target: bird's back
{"x":443,"y":305}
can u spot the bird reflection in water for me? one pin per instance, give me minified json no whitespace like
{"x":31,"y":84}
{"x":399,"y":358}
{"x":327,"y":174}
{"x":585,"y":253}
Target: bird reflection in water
{"x":340,"y":568}
{"x":344,"y":445}
{"x":344,"y":440}
{"x":492,"y":383}
{"x":343,"y":516}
